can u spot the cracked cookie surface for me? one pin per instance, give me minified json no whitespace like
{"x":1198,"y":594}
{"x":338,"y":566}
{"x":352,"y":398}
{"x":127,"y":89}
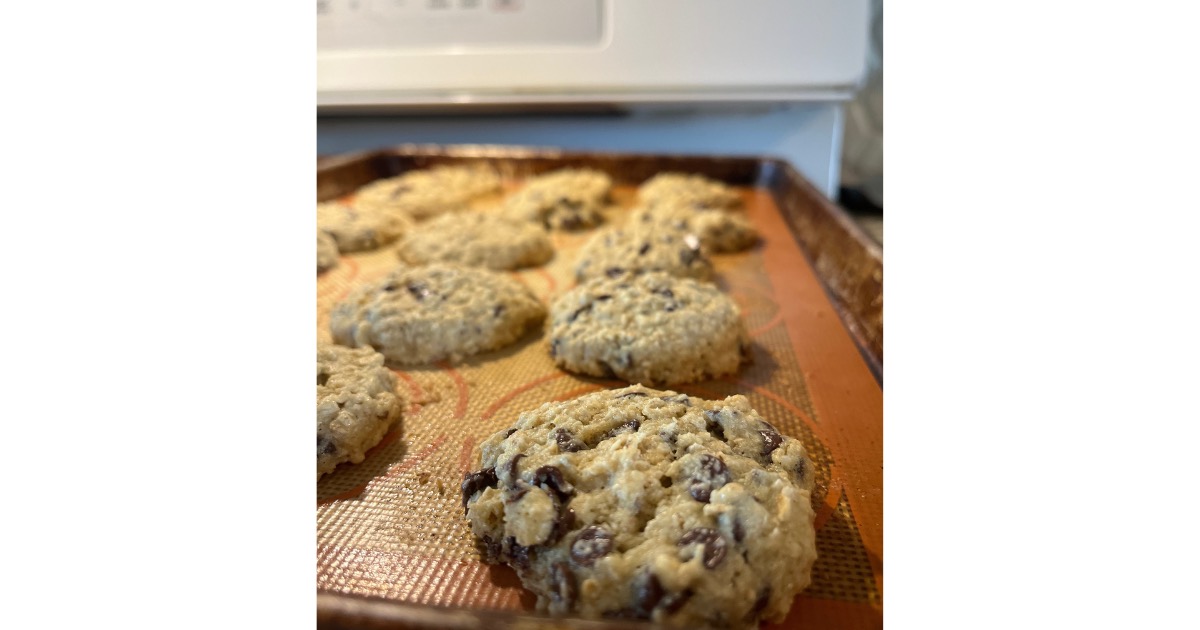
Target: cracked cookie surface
{"x":356,"y":403}
{"x":356,"y":229}
{"x":648,"y":328}
{"x":566,"y":199}
{"x":638,"y":248}
{"x":429,"y":192}
{"x":690,"y":188}
{"x":477,"y":239}
{"x":419,"y":315}
{"x":640,"y":503}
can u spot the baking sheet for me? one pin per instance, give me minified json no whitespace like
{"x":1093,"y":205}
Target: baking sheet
{"x":391,"y":528}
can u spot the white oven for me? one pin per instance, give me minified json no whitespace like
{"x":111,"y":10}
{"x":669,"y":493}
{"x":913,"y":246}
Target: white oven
{"x":663,"y":76}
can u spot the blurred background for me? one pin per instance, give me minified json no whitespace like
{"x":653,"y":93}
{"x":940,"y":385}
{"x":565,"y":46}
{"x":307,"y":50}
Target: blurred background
{"x":800,"y":80}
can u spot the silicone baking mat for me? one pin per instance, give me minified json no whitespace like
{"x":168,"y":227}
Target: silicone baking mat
{"x":392,"y":527}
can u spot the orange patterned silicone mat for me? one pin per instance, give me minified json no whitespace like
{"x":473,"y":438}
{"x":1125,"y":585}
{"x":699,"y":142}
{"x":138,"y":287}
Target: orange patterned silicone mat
{"x":393,"y":527}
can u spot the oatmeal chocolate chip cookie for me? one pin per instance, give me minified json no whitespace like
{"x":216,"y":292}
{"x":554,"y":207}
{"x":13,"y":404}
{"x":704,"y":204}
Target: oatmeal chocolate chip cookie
{"x":429,"y":192}
{"x":682,"y":187}
{"x":327,"y":251}
{"x":477,"y":240}
{"x":718,"y":230}
{"x":637,"y":248}
{"x":649,"y":328}
{"x":356,"y":403}
{"x":419,"y":315}
{"x":638,"y":503}
{"x":566,"y":199}
{"x":357,"y":229}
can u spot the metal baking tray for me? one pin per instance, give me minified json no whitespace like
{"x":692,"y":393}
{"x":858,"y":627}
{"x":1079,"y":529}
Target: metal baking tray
{"x":393,"y":550}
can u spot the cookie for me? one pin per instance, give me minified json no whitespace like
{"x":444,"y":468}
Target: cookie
{"x":356,"y":229}
{"x":682,"y":187}
{"x":648,"y":328}
{"x":566,"y":199}
{"x":327,"y":251}
{"x":429,"y":192}
{"x":637,"y":248}
{"x":718,"y":230}
{"x":477,"y":240}
{"x":356,"y":403}
{"x":418,"y":315}
{"x":638,"y":503}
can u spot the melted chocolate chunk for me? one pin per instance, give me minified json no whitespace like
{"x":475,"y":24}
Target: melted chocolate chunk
{"x":678,"y":398}
{"x":512,"y":468}
{"x":673,"y":602}
{"x":563,"y":523}
{"x":509,"y":433}
{"x":643,"y":249}
{"x":713,"y":426}
{"x":760,"y":604}
{"x":477,"y":482}
{"x":322,"y":378}
{"x":647,"y":592}
{"x":629,"y":427}
{"x":389,"y":287}
{"x":579,"y":311}
{"x":550,"y":479}
{"x":564,"y":584}
{"x":714,"y":545}
{"x":418,"y":290}
{"x":592,"y":543}
{"x":516,"y":554}
{"x":613,"y":272}
{"x":710,"y":475}
{"x":603,"y":297}
{"x":325,"y":446}
{"x":567,"y":442}
{"x":632,"y":395}
{"x":771,"y":441}
{"x":801,"y":468}
{"x":739,"y":531}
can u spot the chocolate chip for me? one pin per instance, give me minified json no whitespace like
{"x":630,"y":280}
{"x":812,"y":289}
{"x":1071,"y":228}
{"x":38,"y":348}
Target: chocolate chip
{"x":325,"y":446}
{"x":710,"y":475}
{"x":567,"y":442}
{"x":418,"y":290}
{"x":667,"y":293}
{"x":688,"y":256}
{"x":714,"y":545}
{"x":491,"y":549}
{"x":771,"y":441}
{"x":591,"y":543}
{"x":550,"y":479}
{"x":713,"y":426}
{"x":563,"y":581}
{"x":603,"y":297}
{"x":671,"y":307}
{"x":563,"y":523}
{"x":802,"y":468}
{"x":579,"y":311}
{"x":643,"y":249}
{"x":613,"y":272}
{"x":509,"y":433}
{"x":500,"y":308}
{"x":390,"y":287}
{"x":632,"y":394}
{"x":673,"y":602}
{"x":629,"y":427}
{"x":647,"y":592}
{"x":512,"y":468}
{"x":760,"y":604}
{"x":554,"y":347}
{"x":678,"y":398}
{"x":739,"y":531}
{"x":477,"y":482}
{"x":666,"y":481}
{"x":516,"y":554}
{"x":322,"y":378}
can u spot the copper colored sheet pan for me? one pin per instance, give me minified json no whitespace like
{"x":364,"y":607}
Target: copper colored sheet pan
{"x":392,"y":547}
